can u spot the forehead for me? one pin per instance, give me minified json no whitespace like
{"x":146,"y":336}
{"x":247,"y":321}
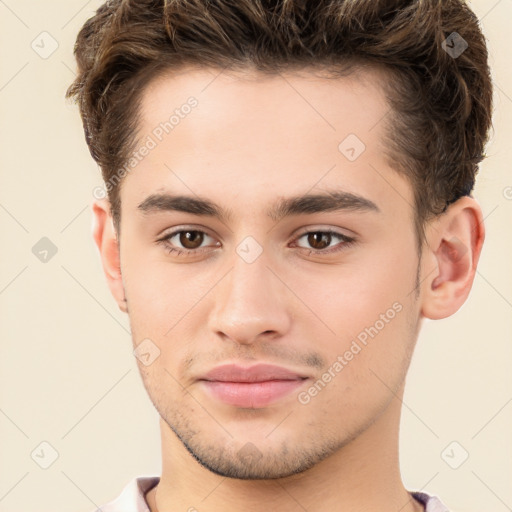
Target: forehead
{"x":296,"y":117}
{"x":259,"y":136}
{"x":249,"y":103}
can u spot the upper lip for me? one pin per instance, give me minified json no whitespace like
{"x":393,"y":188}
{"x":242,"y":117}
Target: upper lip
{"x":257,"y":373}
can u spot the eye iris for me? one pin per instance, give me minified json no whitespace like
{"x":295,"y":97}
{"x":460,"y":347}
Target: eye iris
{"x":315,"y":238}
{"x":191,"y":239}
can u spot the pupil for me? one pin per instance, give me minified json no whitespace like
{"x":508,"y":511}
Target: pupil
{"x":187,"y":239}
{"x":313,"y":240}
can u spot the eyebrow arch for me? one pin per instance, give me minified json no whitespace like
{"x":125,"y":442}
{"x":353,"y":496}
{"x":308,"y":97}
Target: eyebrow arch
{"x":330,"y":201}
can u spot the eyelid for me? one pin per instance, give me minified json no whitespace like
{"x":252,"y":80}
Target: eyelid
{"x":185,"y":227}
{"x":172,"y":232}
{"x":346,"y":240}
{"x":326,"y":229}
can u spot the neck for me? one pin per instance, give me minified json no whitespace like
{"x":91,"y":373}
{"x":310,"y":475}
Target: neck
{"x":363,"y":475}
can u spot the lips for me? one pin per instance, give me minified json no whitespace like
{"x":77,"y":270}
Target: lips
{"x":253,"y":387}
{"x":256,"y":373}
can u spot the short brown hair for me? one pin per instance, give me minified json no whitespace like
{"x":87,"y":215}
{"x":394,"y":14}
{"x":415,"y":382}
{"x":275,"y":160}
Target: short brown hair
{"x":441,"y":102}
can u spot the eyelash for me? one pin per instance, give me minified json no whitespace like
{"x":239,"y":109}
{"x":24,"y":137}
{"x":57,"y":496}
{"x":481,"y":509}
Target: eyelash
{"x":347,"y":242}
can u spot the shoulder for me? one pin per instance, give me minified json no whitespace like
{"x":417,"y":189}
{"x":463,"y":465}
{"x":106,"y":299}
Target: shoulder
{"x":432,"y":503}
{"x":132,"y":497}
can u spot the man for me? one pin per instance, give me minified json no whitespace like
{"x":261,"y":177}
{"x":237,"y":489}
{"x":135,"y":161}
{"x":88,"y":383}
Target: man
{"x":288,"y":198}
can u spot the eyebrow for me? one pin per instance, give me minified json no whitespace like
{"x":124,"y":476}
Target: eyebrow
{"x":330,"y":201}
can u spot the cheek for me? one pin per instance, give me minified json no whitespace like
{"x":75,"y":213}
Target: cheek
{"x":364,"y":370}
{"x":166,"y":305}
{"x":372,"y":313}
{"x":345,"y":302}
{"x":159,"y":293}
{"x":350,"y":297}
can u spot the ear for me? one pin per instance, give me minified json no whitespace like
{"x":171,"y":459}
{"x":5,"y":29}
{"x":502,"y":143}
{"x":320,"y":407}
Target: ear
{"x":106,"y":239}
{"x":454,"y":244}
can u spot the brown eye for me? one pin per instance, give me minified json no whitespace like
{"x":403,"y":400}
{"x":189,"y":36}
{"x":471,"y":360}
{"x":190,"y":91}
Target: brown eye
{"x":320,"y":242}
{"x":187,"y":242}
{"x":191,"y":239}
{"x":319,"y":239}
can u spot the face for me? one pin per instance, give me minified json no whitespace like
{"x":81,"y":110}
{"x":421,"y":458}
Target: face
{"x":295,"y":248}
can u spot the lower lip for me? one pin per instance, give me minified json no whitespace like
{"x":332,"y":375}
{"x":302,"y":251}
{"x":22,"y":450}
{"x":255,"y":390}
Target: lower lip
{"x":251,"y":394}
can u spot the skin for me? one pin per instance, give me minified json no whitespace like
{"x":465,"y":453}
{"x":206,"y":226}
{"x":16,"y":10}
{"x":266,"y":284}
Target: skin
{"x":251,"y":141}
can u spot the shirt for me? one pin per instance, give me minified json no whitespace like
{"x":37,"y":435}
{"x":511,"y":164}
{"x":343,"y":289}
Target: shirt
{"x":132,"y":498}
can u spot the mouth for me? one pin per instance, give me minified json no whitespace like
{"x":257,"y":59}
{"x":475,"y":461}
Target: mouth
{"x":254,"y":387}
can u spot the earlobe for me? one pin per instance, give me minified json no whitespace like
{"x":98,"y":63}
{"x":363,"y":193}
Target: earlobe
{"x":106,"y":240}
{"x":454,"y":246}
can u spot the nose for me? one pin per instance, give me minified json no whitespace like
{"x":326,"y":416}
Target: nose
{"x":251,"y":303}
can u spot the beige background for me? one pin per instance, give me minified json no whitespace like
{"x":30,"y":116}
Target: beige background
{"x":68,"y":376}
